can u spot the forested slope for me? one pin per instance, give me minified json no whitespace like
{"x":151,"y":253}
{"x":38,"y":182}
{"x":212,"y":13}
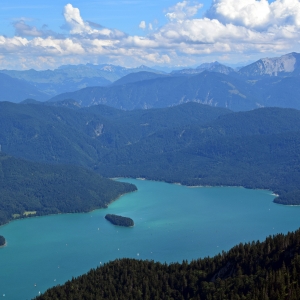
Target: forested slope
{"x":47,"y":189}
{"x":193,"y":144}
{"x":258,"y":270}
{"x":257,"y":149}
{"x":62,"y":135}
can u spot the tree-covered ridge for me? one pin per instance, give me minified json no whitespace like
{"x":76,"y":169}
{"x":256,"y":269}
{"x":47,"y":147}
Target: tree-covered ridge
{"x":2,"y":240}
{"x":191,"y":143}
{"x":48,"y":189}
{"x":255,"y":271}
{"x":256,"y":149}
{"x":119,"y":220}
{"x":61,"y":135}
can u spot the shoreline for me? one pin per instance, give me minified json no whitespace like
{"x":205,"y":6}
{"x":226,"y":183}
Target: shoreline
{"x":3,"y":245}
{"x":143,"y":179}
{"x":60,"y":213}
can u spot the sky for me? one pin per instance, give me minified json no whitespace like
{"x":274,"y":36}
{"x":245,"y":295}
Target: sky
{"x":131,"y":33}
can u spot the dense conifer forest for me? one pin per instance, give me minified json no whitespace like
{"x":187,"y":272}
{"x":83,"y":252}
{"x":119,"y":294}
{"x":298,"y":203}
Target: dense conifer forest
{"x":29,"y":188}
{"x":268,"y":270}
{"x":193,"y":144}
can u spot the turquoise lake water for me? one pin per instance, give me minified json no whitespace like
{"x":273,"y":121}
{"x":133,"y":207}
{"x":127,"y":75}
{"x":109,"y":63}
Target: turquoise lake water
{"x":172,"y":223}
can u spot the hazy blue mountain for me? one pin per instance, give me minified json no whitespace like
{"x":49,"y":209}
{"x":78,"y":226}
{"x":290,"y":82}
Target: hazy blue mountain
{"x":60,"y":80}
{"x":211,"y":88}
{"x":285,"y":65}
{"x":16,"y":90}
{"x":212,"y":67}
{"x":138,"y":76}
{"x":279,"y":91}
{"x":69,"y":78}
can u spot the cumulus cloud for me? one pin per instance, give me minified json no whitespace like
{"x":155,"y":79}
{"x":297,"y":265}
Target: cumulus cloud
{"x":228,"y":29}
{"x":77,"y":26}
{"x":259,"y":14}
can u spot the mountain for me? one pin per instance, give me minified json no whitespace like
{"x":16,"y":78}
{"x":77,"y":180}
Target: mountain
{"x":80,"y":136}
{"x":279,"y":91}
{"x":138,"y":76}
{"x":29,"y":188}
{"x":50,"y":134}
{"x":286,"y":65}
{"x":256,"y":149}
{"x":69,"y":78}
{"x":193,"y":144}
{"x":257,"y":270}
{"x":211,"y":67}
{"x":211,"y":88}
{"x":16,"y":90}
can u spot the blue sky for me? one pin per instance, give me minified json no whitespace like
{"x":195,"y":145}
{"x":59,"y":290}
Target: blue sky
{"x":121,"y":14}
{"x":132,"y":32}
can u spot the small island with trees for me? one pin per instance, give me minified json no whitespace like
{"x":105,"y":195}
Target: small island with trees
{"x":119,"y":220}
{"x":2,"y":241}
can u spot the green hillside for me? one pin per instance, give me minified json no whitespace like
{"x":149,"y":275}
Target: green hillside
{"x":258,"y":270}
{"x":29,"y":188}
{"x":61,"y":135}
{"x":191,"y":143}
{"x":257,"y":149}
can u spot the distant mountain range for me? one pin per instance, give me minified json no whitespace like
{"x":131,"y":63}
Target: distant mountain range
{"x":16,"y":90}
{"x":215,"y":89}
{"x":210,"y":88}
{"x":72,"y":77}
{"x":267,"y":82}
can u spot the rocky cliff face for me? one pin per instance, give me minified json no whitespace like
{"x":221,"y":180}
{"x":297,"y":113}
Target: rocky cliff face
{"x":285,"y":65}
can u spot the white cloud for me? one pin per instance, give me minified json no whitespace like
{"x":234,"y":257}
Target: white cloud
{"x":246,"y":28}
{"x":142,"y":25}
{"x":259,"y":14}
{"x":183,"y":10}
{"x":78,"y":26}
{"x":74,"y":20}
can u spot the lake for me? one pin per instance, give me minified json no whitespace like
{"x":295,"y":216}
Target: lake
{"x":172,"y":223}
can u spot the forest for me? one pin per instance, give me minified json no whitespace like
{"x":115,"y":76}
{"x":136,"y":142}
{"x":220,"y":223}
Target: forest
{"x":50,"y":189}
{"x":192,"y":143}
{"x":268,"y":270}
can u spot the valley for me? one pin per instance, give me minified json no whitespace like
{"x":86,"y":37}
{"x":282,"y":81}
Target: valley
{"x":65,"y":133}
